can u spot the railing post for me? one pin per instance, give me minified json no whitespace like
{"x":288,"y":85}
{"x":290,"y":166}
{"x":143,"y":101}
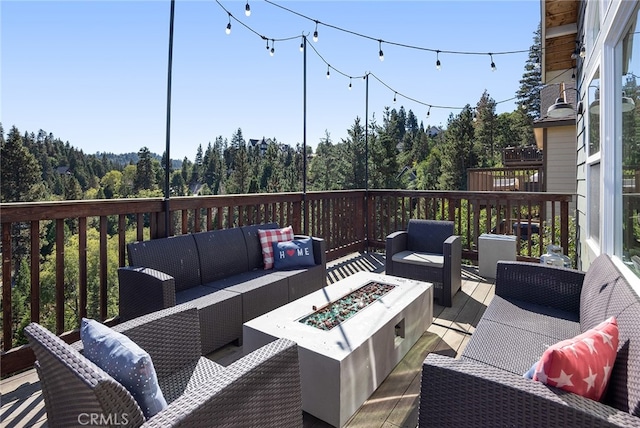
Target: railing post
{"x":564,"y":225}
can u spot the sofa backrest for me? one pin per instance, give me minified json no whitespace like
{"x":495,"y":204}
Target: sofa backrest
{"x":605,"y":294}
{"x":252,"y":241}
{"x":222,"y":253}
{"x":428,"y":235}
{"x":176,"y":256}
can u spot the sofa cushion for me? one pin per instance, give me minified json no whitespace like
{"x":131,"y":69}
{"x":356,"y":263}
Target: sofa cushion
{"x":126,"y":362}
{"x":624,"y":386}
{"x":268,"y":237}
{"x":599,"y":282}
{"x":222,"y":253}
{"x":506,"y":347}
{"x":418,"y":258}
{"x":176,"y":256}
{"x":252,"y":241}
{"x":291,"y":254}
{"x":428,"y":236}
{"x":551,"y":322}
{"x":582,"y":364}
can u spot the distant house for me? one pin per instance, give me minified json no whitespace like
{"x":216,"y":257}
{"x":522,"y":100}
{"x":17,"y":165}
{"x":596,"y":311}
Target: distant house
{"x":63,"y":170}
{"x":263,"y":144}
{"x":433,"y":131}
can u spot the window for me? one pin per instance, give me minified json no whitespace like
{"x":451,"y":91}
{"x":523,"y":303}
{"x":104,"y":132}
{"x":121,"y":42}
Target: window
{"x":593,"y":26}
{"x":628,"y":118}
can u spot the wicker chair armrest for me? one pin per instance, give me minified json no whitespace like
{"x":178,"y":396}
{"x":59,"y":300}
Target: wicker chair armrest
{"x":396,"y":242}
{"x":460,"y":393}
{"x":319,"y":249}
{"x":261,"y":389}
{"x":552,"y":286}
{"x":452,"y":250}
{"x":144,"y":290}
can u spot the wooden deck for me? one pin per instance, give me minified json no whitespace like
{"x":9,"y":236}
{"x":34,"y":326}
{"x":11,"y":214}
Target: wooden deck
{"x":393,"y":404}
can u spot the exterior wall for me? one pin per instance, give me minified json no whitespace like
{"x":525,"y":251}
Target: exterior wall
{"x":561,"y":158}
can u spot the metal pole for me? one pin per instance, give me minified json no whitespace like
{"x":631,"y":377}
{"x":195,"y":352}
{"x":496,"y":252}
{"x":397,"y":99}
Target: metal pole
{"x":304,"y":133}
{"x":366,"y":165}
{"x":167,"y":165}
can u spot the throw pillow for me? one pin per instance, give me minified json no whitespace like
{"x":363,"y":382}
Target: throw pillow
{"x":268,"y":237}
{"x":581,"y":365}
{"x":296,"y":253}
{"x":124,"y":361}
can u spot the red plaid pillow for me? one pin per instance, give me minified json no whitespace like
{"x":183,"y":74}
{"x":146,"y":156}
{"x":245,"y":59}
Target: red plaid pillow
{"x":268,"y":237}
{"x":581,"y":365}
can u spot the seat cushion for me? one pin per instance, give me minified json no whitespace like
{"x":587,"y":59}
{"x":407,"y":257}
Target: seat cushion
{"x":419,"y":258}
{"x":126,"y":362}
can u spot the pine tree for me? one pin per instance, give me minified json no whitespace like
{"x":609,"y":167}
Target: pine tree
{"x":20,"y":173}
{"x":457,"y":151}
{"x":485,"y":124}
{"x":145,"y":177}
{"x":529,"y":92}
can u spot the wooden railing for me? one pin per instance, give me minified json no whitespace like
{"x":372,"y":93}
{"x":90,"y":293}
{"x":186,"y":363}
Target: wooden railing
{"x":513,"y":156}
{"x":526,"y":179}
{"x":349,"y":221}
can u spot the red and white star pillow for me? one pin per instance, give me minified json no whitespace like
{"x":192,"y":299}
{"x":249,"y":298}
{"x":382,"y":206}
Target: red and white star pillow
{"x":581,"y":365}
{"x":268,"y":237}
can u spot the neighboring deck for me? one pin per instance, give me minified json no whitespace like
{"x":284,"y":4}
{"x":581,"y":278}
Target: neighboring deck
{"x":393,"y":404}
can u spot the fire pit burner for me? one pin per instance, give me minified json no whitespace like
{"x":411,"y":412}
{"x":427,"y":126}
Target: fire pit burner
{"x":344,"y":308}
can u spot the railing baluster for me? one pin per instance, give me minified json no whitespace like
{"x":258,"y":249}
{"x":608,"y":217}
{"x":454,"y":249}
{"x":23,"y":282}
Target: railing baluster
{"x":103,"y":268}
{"x":35,"y":271}
{"x":59,"y":276}
{"x":82,"y":266}
{"x":7,"y":330}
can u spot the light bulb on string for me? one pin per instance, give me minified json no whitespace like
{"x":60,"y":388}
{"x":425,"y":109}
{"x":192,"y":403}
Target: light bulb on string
{"x":302,"y":46}
{"x":573,"y":73}
{"x":273,"y":47}
{"x":438,"y":60}
{"x":247,"y":9}
{"x":394,"y":97}
{"x":228,"y":29}
{"x":315,"y":33}
{"x":429,"y":111}
{"x":328,"y":72}
{"x":267,"y":44}
{"x":493,"y":64}
{"x":349,"y":83}
{"x":583,"y":51}
{"x":380,"y":54}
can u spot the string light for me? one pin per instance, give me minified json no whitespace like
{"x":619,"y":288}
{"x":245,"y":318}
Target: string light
{"x":493,"y":64}
{"x":267,"y":44}
{"x":328,"y":72}
{"x":247,"y":9}
{"x":573,"y":73}
{"x":583,"y":51}
{"x":394,"y":97}
{"x":273,"y":47}
{"x":228,"y":30}
{"x":302,"y":45}
{"x":315,"y":33}
{"x":429,"y":111}
{"x":380,"y":54}
{"x":438,"y":60}
{"x":349,"y":83}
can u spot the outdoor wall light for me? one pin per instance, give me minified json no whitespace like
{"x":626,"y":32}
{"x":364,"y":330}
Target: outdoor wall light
{"x":560,"y":108}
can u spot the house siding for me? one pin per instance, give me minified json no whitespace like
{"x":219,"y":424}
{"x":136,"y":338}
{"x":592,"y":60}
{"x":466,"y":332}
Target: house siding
{"x":561,"y":159}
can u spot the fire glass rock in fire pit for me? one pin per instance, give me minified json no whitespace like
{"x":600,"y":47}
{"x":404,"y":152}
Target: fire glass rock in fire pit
{"x":342,"y":309}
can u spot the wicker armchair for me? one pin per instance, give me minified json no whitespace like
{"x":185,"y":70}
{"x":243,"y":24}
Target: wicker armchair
{"x":262,"y":388}
{"x":427,"y":251}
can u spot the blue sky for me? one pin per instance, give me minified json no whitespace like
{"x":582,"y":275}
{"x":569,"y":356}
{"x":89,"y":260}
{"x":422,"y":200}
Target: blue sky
{"x":94,"y":73}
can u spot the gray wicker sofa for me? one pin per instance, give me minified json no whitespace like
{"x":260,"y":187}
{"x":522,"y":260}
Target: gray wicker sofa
{"x":221,"y":272}
{"x":534,"y":307}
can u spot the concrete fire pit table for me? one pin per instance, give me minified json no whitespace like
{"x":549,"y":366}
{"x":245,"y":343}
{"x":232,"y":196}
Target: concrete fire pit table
{"x":340,"y":368}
